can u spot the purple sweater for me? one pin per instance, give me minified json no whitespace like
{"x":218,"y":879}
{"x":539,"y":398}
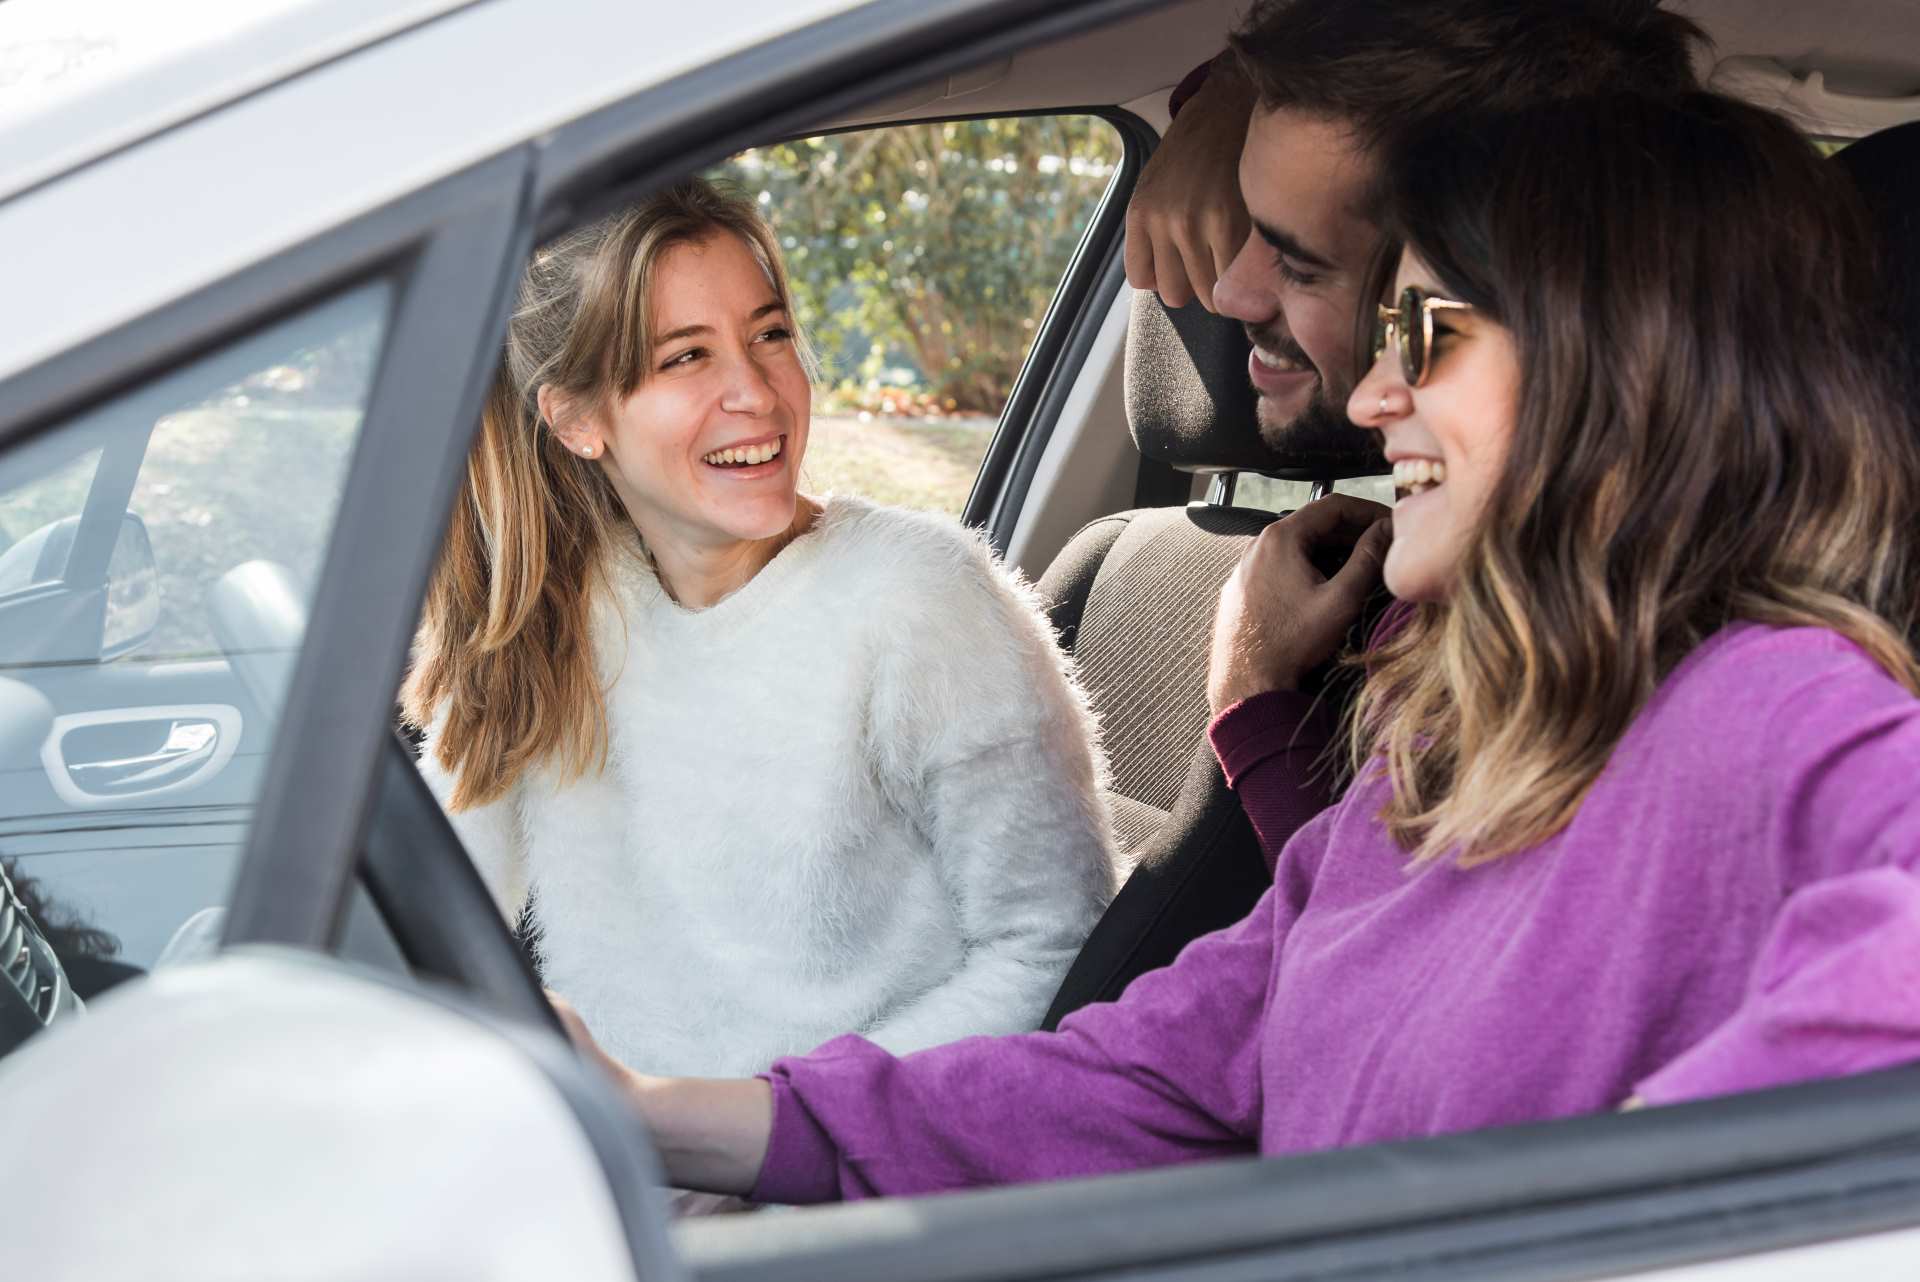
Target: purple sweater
{"x":1735,"y":905}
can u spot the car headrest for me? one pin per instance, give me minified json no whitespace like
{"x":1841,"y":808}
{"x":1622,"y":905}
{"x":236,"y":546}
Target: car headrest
{"x":1886,"y":168}
{"x":1190,"y":404}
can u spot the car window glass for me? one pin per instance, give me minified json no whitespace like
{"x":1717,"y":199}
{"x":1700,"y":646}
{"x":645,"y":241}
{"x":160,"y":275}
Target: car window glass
{"x":141,"y":679}
{"x":1269,"y":495}
{"x":923,"y":260}
{"x":251,"y":473}
{"x":40,"y":503}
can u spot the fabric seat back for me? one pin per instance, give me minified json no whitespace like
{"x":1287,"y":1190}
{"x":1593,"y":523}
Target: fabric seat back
{"x":1133,"y":596}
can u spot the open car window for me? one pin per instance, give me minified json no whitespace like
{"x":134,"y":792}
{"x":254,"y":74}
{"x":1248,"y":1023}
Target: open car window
{"x":924,"y":258}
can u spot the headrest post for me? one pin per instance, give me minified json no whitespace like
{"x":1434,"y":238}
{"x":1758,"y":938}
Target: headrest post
{"x":1220,"y":489}
{"x":1320,"y":490}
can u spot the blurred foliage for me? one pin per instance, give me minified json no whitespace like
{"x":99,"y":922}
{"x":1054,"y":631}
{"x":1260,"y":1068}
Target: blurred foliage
{"x":931,"y":248}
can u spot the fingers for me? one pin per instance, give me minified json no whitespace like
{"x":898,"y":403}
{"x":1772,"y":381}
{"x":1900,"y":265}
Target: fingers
{"x":1357,"y":579}
{"x":1327,"y":516}
{"x":1170,"y":273}
{"x":1139,"y":248}
{"x":1201,"y":274}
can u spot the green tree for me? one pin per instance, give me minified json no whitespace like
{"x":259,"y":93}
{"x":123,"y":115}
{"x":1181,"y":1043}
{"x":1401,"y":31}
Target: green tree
{"x":941,"y":242}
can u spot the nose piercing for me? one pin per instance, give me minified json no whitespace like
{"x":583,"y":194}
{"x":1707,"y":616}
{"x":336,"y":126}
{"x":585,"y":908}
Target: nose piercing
{"x":1383,"y":406}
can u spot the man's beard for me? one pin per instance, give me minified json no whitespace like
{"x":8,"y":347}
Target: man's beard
{"x":1319,"y":432}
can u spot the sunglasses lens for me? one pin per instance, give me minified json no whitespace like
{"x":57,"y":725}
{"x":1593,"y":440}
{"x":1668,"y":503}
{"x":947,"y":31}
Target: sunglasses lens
{"x":1413,"y":335}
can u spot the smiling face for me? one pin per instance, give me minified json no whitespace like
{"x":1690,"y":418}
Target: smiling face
{"x":706,"y":452}
{"x":1447,"y":439}
{"x":1295,"y":285}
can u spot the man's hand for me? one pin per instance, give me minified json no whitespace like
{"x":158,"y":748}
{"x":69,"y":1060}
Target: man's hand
{"x":1186,"y":220}
{"x":1279,"y":617}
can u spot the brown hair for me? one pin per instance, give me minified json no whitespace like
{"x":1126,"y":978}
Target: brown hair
{"x":1382,"y":63}
{"x":1705,"y":433}
{"x":504,"y":645}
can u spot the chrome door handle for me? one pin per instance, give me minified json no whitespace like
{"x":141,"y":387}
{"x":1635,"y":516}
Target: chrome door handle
{"x":189,"y":743}
{"x":201,"y":739}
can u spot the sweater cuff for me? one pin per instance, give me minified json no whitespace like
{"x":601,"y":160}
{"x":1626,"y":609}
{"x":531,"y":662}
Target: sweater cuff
{"x":1255,"y":729}
{"x":801,"y":1162}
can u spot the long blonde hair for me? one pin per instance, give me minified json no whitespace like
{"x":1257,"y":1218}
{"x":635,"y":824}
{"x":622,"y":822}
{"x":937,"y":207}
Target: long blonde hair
{"x":1705,"y":434}
{"x":504,"y":651}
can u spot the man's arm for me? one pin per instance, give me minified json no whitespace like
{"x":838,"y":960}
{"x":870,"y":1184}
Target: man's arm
{"x":1186,"y":220}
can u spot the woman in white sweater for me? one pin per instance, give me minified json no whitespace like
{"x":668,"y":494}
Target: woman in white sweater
{"x":761,"y":769}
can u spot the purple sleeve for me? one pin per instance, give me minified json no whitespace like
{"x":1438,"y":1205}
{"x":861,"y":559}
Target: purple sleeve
{"x":1169,"y":1073}
{"x":1273,"y":749}
{"x":1836,"y":987}
{"x":1836,"y":991}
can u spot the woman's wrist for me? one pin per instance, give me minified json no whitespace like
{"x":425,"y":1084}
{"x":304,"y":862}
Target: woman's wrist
{"x":712,"y":1134}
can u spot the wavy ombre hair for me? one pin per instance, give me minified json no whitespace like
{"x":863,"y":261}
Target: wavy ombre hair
{"x":504,"y":652}
{"x":1706,"y":433}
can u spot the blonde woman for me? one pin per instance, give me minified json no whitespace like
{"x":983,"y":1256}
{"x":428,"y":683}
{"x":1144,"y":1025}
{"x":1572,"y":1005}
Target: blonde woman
{"x":761,"y":768}
{"x":1635,"y":814}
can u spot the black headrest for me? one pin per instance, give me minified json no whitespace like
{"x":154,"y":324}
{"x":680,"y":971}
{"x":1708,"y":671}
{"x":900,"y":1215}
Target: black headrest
{"x":1886,"y":168}
{"x":1190,"y":404}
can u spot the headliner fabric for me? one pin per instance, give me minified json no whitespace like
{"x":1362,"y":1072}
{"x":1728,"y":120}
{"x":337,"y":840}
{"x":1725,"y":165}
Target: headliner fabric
{"x":1886,"y":169}
{"x":1190,"y":404}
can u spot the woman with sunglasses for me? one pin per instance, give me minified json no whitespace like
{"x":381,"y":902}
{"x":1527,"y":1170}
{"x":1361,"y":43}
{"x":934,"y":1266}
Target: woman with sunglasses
{"x":1634,"y":815}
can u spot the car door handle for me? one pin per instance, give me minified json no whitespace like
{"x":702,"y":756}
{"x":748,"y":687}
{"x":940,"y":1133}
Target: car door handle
{"x":188,"y":745}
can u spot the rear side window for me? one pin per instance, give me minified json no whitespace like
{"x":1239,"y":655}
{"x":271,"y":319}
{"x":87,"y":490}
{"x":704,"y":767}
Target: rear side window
{"x":1269,"y":495}
{"x":924,"y":258}
{"x":155,"y":557}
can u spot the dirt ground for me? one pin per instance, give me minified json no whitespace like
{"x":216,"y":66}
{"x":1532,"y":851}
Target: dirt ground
{"x":917,"y":463}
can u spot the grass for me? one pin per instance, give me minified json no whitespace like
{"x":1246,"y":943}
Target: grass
{"x":912,"y":463}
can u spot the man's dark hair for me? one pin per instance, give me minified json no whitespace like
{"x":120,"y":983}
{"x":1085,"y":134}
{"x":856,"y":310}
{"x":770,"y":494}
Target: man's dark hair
{"x":1385,"y":64}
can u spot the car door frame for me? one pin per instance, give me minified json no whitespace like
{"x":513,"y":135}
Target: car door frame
{"x":451,"y":252}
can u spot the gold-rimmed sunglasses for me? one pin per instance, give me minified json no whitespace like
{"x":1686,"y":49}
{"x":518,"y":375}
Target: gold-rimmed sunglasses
{"x":1415,"y":338}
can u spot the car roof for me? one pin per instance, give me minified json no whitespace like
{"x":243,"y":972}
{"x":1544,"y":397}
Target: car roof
{"x":198,"y":189}
{"x":82,"y":78}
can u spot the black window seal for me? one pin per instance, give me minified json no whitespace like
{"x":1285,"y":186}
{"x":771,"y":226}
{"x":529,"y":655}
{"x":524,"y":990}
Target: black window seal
{"x":432,"y":898}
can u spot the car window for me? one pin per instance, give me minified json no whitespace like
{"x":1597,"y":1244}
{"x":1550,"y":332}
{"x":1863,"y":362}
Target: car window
{"x":1269,"y":495}
{"x":923,"y":259}
{"x":172,"y":533}
{"x":36,"y":503}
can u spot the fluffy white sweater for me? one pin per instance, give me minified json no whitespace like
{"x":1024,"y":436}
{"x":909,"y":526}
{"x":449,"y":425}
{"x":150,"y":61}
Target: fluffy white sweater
{"x":860,"y":794}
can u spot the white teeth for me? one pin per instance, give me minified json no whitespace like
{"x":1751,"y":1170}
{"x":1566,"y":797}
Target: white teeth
{"x":1419,"y":474}
{"x":1274,"y":361}
{"x":744,"y":455}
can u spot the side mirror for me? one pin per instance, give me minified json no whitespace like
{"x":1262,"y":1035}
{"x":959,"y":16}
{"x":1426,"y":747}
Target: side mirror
{"x":131,"y":608}
{"x":133,"y":591}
